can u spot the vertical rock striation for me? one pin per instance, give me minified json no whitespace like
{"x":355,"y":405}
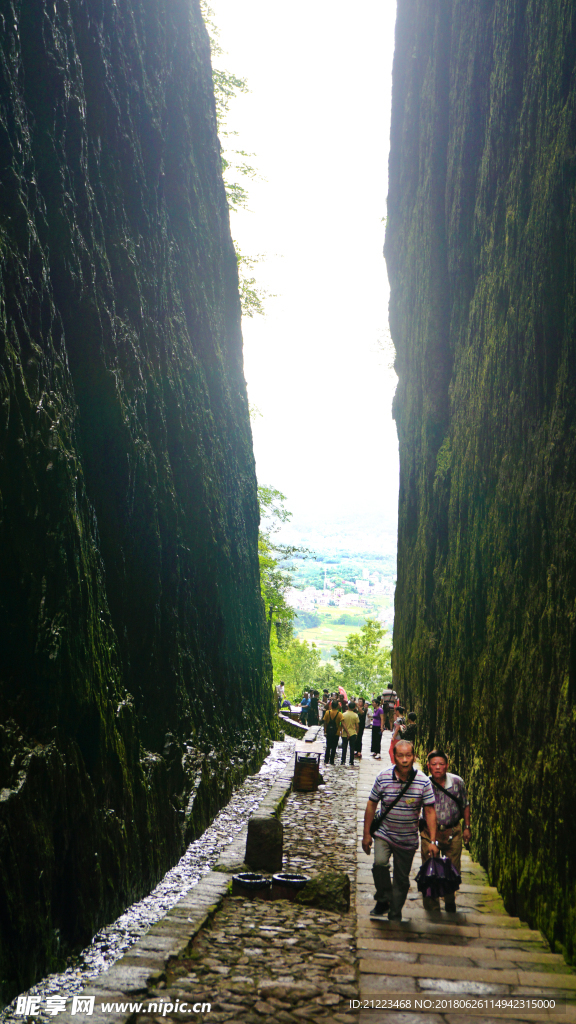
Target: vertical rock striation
{"x":134,"y":668}
{"x":481,"y":254}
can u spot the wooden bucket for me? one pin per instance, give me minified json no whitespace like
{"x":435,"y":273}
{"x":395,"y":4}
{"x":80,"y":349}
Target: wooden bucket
{"x":306,"y":772}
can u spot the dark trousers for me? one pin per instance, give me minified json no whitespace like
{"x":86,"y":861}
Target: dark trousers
{"x":345,"y":741}
{"x":330,"y":752}
{"x":376,"y":740}
{"x":358,"y":748}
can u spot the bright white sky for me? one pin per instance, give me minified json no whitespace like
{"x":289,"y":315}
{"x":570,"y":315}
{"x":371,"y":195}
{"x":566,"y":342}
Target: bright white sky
{"x":317,"y":119}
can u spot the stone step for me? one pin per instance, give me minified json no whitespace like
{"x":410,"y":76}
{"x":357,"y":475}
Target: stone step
{"x":382,"y":947}
{"x":450,"y":972}
{"x":382,"y":986}
{"x":424,"y":927}
{"x":479,"y":951}
{"x":466,"y":894}
{"x":417,"y":913}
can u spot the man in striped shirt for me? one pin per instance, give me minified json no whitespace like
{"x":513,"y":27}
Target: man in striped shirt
{"x":398,"y":834}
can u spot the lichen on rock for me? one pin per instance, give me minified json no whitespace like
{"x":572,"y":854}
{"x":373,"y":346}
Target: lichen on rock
{"x":134,"y":667}
{"x":481,"y":255}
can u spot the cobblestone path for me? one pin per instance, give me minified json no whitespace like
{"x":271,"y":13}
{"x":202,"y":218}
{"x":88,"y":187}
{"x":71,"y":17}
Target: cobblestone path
{"x":269,"y":961}
{"x":261,"y":961}
{"x":479,"y":953}
{"x":320,"y":828}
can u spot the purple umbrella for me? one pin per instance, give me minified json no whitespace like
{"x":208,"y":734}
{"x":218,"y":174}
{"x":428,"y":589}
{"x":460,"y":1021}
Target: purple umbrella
{"x":437,"y":877}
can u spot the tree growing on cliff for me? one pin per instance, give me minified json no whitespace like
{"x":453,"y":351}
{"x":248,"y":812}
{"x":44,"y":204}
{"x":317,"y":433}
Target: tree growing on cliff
{"x":275,"y":577}
{"x":297,"y":664}
{"x":235,"y":164}
{"x":365,"y":663}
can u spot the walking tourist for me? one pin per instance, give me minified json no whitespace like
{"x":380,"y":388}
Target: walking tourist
{"x":313,"y":708}
{"x":304,"y":705}
{"x":411,"y":729}
{"x":332,"y":729}
{"x":361,"y":711}
{"x":377,"y":727}
{"x":350,"y":726}
{"x":398,"y":730}
{"x":389,"y":698}
{"x":280,"y":693}
{"x":452,"y":805}
{"x":402,"y":790}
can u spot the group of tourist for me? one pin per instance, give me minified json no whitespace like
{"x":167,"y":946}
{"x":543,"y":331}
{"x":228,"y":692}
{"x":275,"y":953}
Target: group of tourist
{"x":414,"y":806}
{"x":346,"y":720}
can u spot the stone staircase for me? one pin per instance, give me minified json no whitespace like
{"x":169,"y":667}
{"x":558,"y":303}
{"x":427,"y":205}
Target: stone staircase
{"x":479,"y":955}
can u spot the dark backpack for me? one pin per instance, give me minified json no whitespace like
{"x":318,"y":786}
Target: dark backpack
{"x":332,"y":728}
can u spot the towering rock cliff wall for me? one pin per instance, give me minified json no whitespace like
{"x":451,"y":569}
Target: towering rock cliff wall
{"x":134,"y":668}
{"x":481,"y":253}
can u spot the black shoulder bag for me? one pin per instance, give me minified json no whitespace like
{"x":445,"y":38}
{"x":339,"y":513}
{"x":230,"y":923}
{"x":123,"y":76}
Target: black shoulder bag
{"x":379,"y":818}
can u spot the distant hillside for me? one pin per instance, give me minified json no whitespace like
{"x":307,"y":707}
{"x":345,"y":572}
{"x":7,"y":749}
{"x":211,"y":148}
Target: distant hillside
{"x":362,"y":532}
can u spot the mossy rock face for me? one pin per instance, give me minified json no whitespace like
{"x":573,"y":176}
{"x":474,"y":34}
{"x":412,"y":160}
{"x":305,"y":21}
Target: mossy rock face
{"x":134,"y":667}
{"x":481,"y":255}
{"x":330,"y":891}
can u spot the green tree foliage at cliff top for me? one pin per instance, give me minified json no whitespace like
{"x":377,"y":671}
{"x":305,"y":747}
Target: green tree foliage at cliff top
{"x":275,"y":575}
{"x":364,"y":660}
{"x":293,"y":661}
{"x":297,"y":664}
{"x":235,"y":164}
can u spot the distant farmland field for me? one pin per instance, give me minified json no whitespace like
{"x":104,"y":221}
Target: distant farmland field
{"x":329,"y":633}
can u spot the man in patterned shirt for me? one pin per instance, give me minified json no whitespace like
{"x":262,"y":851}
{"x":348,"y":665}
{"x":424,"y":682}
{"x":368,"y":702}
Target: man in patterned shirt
{"x":397,"y":835}
{"x":449,"y":811}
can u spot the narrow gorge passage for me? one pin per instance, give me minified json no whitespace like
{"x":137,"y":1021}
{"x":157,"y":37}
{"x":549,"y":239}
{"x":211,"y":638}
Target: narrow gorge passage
{"x":164,"y":614}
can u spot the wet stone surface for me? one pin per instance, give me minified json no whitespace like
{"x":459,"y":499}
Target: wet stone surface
{"x":271,"y":961}
{"x":113,"y":941}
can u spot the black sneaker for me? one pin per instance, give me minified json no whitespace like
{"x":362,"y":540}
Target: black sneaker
{"x":394,"y":917}
{"x":450,"y":906}
{"x":379,"y":909}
